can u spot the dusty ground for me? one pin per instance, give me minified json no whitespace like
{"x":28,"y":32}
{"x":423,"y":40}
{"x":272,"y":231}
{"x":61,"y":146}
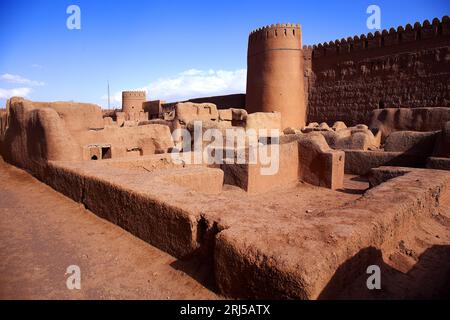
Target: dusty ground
{"x":43,"y":232}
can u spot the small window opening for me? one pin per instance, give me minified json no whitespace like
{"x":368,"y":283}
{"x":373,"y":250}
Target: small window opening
{"x":106,"y":152}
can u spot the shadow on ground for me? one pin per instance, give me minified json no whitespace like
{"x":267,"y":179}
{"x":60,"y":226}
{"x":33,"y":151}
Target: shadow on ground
{"x":428,"y":279}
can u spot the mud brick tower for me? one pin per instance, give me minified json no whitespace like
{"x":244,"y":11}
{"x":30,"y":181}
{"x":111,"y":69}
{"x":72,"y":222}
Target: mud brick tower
{"x":275,"y":73}
{"x":132,"y":101}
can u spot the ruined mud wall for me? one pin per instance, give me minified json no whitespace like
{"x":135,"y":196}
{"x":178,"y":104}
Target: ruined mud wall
{"x":36,"y":134}
{"x":405,"y":67}
{"x":75,"y":115}
{"x":222,"y":102}
{"x":2,"y":127}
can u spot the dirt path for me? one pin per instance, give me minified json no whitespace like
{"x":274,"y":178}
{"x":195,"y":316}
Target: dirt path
{"x":42,"y":233}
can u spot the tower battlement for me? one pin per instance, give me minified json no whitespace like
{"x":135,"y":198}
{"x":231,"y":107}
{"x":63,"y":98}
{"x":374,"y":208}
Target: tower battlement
{"x":275,"y":30}
{"x":133,"y":94}
{"x":279,"y":36}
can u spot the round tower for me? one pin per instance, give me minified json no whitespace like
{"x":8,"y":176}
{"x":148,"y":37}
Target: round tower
{"x":275,"y":73}
{"x":132,"y":101}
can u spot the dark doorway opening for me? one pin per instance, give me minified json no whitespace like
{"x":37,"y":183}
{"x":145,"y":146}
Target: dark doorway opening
{"x":106,"y":152}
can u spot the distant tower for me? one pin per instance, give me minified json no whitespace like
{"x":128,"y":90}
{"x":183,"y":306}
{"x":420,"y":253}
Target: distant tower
{"x":275,"y":73}
{"x":132,"y":101}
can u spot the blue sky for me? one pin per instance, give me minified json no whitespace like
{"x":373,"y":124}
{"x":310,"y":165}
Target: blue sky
{"x":173,"y":49}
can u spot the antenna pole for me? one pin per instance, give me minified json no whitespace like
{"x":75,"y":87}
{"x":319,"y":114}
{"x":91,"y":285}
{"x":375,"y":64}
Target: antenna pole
{"x":109,"y":106}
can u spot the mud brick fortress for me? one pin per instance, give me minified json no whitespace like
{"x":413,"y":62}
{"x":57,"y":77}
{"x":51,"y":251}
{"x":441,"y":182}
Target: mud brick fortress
{"x":363,"y":176}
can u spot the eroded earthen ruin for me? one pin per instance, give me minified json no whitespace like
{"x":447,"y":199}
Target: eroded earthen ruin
{"x":362,"y":175}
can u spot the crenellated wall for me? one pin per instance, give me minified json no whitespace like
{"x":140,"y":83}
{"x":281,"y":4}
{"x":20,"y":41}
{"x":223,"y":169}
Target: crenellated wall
{"x":405,"y":67}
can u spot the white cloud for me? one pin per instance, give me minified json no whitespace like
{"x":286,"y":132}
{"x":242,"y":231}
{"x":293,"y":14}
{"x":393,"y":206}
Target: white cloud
{"x":37,"y":66}
{"x":192,"y":83}
{"x":14,"y":78}
{"x":15,"y":92}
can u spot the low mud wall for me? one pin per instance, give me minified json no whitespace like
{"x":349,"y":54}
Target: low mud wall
{"x":153,"y":220}
{"x":438,"y":163}
{"x":322,"y":270}
{"x":361,"y":162}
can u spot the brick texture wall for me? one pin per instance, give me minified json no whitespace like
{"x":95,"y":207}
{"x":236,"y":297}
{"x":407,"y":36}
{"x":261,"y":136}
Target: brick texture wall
{"x":407,"y":67}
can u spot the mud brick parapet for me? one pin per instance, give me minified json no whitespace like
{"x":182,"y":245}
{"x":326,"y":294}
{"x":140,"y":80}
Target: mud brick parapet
{"x":409,"y":35}
{"x":405,"y":67}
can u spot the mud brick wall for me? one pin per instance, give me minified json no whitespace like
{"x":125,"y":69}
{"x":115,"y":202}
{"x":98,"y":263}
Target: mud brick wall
{"x":224,"y":102}
{"x":405,"y":67}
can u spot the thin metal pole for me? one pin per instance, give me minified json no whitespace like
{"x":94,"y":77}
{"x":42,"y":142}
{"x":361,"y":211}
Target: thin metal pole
{"x":109,"y":106}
